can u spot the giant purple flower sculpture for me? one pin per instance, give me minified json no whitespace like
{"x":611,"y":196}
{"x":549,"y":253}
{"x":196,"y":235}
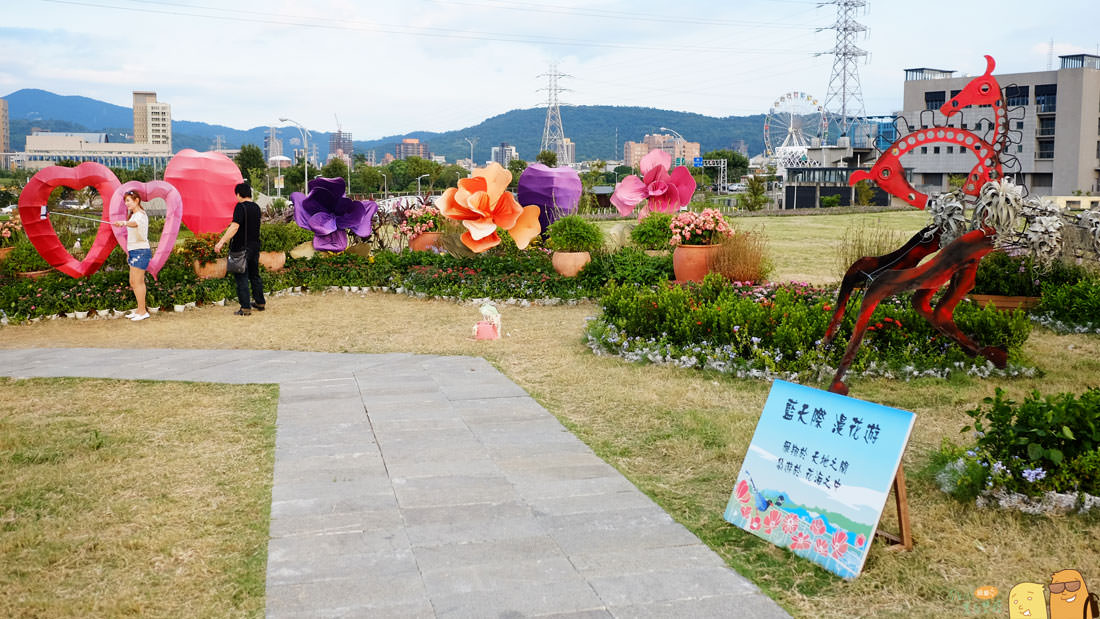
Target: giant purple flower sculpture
{"x":556,"y":191}
{"x":329,"y":214}
{"x":662,"y":191}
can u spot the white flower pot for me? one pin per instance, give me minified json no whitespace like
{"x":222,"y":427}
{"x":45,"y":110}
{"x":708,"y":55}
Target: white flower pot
{"x":103,"y":313}
{"x":154,"y":310}
{"x":220,"y":303}
{"x":179,"y":308}
{"x":81,"y":315}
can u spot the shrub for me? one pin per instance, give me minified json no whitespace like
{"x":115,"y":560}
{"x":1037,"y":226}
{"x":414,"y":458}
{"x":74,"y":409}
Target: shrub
{"x":1020,"y":276}
{"x":653,"y":232}
{"x":626,"y":266}
{"x":1045,"y":443}
{"x":830,"y":201}
{"x":1072,"y":306}
{"x":743,"y":257}
{"x":282,"y":236}
{"x":575,"y":233}
{"x":23,"y":258}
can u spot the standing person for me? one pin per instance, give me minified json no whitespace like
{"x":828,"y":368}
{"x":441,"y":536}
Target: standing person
{"x":244,"y":234}
{"x":137,"y":250}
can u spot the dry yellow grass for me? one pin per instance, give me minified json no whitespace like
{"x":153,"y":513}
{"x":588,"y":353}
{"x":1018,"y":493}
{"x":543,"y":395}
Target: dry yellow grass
{"x":680,"y":436}
{"x":134,"y":498}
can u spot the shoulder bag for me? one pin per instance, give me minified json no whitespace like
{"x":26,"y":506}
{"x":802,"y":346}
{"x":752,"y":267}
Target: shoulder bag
{"x":238,"y":260}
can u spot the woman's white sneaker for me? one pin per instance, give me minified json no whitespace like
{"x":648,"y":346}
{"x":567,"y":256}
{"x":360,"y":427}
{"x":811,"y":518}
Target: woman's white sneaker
{"x":137,"y":317}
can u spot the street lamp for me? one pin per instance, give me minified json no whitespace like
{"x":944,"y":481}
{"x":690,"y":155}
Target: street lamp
{"x":418,"y":182}
{"x":386,"y":185}
{"x":680,"y":139}
{"x":305,"y":147}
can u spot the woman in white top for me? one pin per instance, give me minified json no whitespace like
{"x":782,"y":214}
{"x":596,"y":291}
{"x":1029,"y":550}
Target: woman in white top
{"x":137,"y":249}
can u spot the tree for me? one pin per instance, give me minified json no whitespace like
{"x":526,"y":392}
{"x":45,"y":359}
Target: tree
{"x":335,"y":168}
{"x":516,"y":167}
{"x":756,"y":194}
{"x":250,"y":158}
{"x":737,"y":165}
{"x":865,"y":193}
{"x":547,"y":158}
{"x":368,"y":179}
{"x":449,"y":175}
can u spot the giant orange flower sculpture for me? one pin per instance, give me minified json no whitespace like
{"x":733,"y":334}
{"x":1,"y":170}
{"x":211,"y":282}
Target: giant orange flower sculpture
{"x":483,"y":204}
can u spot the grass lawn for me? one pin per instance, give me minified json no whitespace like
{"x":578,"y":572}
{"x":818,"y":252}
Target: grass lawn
{"x":134,"y":498}
{"x":680,"y":435}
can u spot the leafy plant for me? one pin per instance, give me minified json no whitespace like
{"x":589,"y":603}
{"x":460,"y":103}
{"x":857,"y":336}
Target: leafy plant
{"x":1043,"y":443}
{"x":1000,"y":273}
{"x":282,"y":236}
{"x":23,"y":258}
{"x":830,"y":201}
{"x":575,"y":233}
{"x":653,"y":232}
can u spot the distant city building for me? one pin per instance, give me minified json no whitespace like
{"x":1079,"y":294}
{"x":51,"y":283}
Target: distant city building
{"x":5,"y":133}
{"x":677,"y":148}
{"x":44,"y":149}
{"x":568,"y":154}
{"x":341,"y":141}
{"x":371,"y":158}
{"x":388,"y":158}
{"x":152,"y":119}
{"x":440,"y":159}
{"x":504,"y":153}
{"x":411,"y":147}
{"x":1052,"y":114}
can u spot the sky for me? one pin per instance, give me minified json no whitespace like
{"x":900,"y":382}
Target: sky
{"x":378,"y":68}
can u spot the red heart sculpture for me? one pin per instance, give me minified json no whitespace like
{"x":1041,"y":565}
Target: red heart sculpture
{"x":39,"y":229}
{"x":148,"y":191}
{"x":206,"y":182}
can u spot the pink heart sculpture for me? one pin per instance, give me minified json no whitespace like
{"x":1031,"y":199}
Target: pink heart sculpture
{"x":206,"y":182}
{"x":148,"y":191}
{"x":39,"y":228}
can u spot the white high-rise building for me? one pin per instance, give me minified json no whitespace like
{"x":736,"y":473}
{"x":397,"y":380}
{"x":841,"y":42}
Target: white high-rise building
{"x":152,"y":119}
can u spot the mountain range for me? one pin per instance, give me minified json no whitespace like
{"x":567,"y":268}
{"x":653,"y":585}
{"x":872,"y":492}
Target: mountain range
{"x":597,"y":130}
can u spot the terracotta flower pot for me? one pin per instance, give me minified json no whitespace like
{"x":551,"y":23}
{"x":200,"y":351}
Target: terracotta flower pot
{"x":209,"y":270}
{"x":691,"y":263}
{"x":4,"y":251}
{"x":425,"y":241}
{"x":35,"y":274}
{"x":273,"y":260}
{"x":569,"y":263}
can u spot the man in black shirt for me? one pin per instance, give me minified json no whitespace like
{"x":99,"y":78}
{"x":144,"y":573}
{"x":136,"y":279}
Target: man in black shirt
{"x":244,"y":234}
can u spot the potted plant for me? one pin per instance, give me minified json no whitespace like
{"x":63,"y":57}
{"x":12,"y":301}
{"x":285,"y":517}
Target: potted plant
{"x":10,"y":233}
{"x":275,"y":241}
{"x":422,"y":226}
{"x":696,"y":237}
{"x":199,"y":250}
{"x":25,"y":261}
{"x":573,"y":238}
{"x":652,"y":234}
{"x":1010,"y":282}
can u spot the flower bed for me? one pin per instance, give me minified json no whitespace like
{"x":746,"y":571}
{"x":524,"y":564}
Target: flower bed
{"x":1040,"y":455}
{"x":775,"y":330}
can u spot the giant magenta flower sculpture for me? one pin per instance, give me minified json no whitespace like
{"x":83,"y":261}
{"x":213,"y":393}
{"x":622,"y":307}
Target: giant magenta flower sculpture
{"x":327,"y":213}
{"x":482,"y":204}
{"x":662,"y":191}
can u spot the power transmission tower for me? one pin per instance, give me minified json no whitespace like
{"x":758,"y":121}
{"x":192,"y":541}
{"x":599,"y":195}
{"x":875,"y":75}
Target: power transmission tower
{"x":844,"y":99}
{"x":553,"y":135}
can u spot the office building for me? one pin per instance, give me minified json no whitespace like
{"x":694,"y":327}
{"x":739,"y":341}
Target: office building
{"x":504,"y":153}
{"x":411,"y":147}
{"x":5,"y":134}
{"x":1053,"y":122}
{"x":341,"y":141}
{"x":679,"y":149}
{"x":152,"y":120}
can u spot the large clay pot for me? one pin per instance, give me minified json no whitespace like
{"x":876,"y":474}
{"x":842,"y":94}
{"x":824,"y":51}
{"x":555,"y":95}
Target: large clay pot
{"x":273,"y":260}
{"x":35,"y":274}
{"x":691,"y":263}
{"x":209,"y":270}
{"x":4,"y":251}
{"x":1004,"y":302}
{"x":425,"y":241}
{"x":569,"y":263}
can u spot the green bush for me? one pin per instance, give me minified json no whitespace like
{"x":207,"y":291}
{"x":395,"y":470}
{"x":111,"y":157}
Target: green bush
{"x":282,"y":236}
{"x":1019,"y":276}
{"x":575,"y":233}
{"x":653,"y":232}
{"x":1041,"y":444}
{"x":830,"y":201}
{"x":1071,"y":306}
{"x":23,"y":258}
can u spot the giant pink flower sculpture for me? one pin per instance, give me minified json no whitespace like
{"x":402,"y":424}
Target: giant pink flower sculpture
{"x":662,"y":191}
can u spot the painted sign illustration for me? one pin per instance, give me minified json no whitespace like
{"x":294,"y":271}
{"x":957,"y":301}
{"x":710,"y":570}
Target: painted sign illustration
{"x":817,"y":474}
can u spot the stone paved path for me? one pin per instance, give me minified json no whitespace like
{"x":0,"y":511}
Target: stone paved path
{"x":425,"y":486}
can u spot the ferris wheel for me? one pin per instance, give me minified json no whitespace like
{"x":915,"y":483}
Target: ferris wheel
{"x":792,"y":124}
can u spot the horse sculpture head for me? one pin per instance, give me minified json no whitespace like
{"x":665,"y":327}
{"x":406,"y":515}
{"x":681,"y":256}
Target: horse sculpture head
{"x":983,"y":90}
{"x":888,"y":174}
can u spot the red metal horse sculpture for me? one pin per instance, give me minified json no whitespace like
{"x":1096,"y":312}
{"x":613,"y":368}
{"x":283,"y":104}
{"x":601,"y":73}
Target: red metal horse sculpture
{"x":956,"y":265}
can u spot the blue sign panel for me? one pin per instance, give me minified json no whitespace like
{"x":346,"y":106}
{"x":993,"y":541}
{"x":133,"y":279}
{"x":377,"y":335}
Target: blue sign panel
{"x":817,"y":474}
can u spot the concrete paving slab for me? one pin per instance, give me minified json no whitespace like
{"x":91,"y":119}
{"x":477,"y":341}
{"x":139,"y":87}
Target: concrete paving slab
{"x":423,"y":486}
